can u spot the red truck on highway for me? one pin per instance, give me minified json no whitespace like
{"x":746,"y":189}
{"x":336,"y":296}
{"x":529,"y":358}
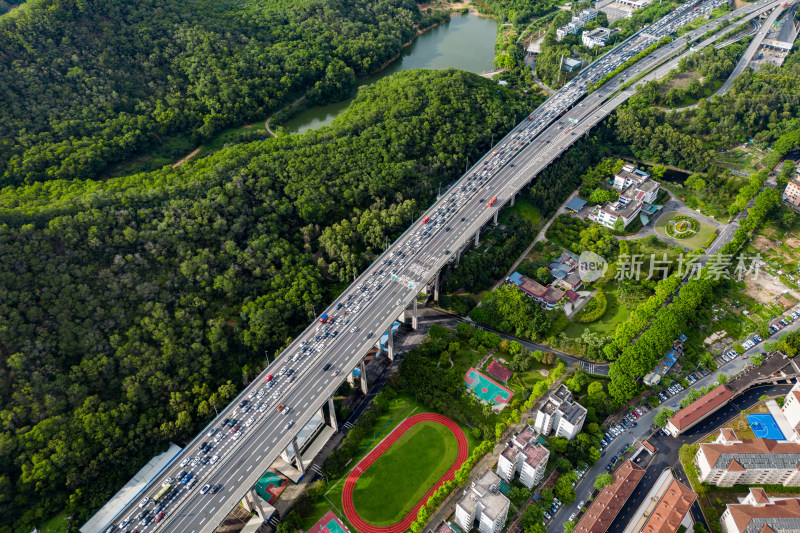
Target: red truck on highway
{"x":492,"y":201}
{"x":425,"y":220}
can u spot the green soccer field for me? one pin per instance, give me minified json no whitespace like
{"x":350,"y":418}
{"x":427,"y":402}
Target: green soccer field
{"x":399,"y":478}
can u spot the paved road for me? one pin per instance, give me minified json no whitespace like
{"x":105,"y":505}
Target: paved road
{"x":643,"y":430}
{"x":668,"y":447}
{"x":744,"y":62}
{"x":385,"y":289}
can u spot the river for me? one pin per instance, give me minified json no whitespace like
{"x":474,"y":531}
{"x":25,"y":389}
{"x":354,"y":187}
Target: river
{"x":465,"y":43}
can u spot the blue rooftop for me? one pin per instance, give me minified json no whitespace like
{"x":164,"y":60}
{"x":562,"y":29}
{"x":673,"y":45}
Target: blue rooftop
{"x":515,"y":278}
{"x":576,"y":204}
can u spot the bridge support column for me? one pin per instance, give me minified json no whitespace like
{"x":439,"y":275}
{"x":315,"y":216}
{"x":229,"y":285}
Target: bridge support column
{"x":390,"y":344}
{"x":436,"y":288}
{"x":363,"y":377}
{"x":351,"y":379}
{"x":458,"y":257}
{"x":513,"y":197}
{"x":478,"y":238}
{"x":252,"y":502}
{"x":414,"y":319}
{"x":297,"y":456}
{"x":494,"y":219}
{"x":332,"y":413}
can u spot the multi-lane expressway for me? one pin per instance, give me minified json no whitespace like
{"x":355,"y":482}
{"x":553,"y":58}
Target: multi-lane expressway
{"x":369,"y":306}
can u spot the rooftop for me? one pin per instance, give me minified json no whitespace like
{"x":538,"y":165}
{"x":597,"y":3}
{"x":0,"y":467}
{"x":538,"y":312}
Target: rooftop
{"x":610,"y":501}
{"x":673,"y":506}
{"x":752,"y":454}
{"x":576,"y":204}
{"x":572,"y":412}
{"x":485,"y":490}
{"x":701,"y":407}
{"x":780,"y":516}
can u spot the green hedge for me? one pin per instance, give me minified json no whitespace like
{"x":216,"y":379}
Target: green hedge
{"x":596,"y":311}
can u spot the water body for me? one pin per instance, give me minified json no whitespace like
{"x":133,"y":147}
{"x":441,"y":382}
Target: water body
{"x":465,"y":43}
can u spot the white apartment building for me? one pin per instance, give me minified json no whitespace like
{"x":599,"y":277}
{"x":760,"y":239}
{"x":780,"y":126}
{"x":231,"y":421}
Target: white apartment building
{"x":596,"y":37}
{"x":637,"y":190}
{"x":525,"y":457}
{"x":729,"y":461}
{"x":560,"y":414}
{"x":483,"y":503}
{"x":577,"y":23}
{"x":759,"y":513}
{"x":629,"y":175}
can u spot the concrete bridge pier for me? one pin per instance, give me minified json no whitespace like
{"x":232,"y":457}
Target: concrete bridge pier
{"x":332,"y":415}
{"x":513,"y":197}
{"x":436,"y":288}
{"x":252,"y":502}
{"x":390,"y":344}
{"x":494,"y":219}
{"x":458,"y":257}
{"x":298,"y":458}
{"x":478,"y":238}
{"x":414,"y":319}
{"x":363,"y":377}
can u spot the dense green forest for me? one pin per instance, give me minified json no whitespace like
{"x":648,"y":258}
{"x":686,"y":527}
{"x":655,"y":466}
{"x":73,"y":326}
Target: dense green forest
{"x":761,"y":105}
{"x":86,"y":83}
{"x":7,"y":5}
{"x":132,"y":307}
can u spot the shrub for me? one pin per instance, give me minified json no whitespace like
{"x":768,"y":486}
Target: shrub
{"x":596,"y":311}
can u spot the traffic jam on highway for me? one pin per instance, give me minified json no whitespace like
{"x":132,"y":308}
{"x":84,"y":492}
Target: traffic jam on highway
{"x":401,"y":262}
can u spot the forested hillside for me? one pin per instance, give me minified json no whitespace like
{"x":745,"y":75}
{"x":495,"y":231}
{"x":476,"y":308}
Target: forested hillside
{"x":7,"y":5}
{"x":85,"y":83}
{"x":131,"y":307}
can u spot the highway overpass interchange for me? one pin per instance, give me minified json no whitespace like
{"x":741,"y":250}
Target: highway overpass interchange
{"x":323,"y":355}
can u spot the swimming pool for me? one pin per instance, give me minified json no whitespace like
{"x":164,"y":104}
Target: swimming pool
{"x":764,"y":426}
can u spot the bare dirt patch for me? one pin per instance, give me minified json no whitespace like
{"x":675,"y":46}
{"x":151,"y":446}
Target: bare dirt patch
{"x":792,"y":242}
{"x":439,"y":4}
{"x":680,"y":81}
{"x":766,"y":289}
{"x":188,"y":157}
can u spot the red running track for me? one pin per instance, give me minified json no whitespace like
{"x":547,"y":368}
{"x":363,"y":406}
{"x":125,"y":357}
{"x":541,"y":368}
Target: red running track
{"x":366,"y":462}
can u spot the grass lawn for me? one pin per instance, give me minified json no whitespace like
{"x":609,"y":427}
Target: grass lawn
{"x":615,"y":313}
{"x":168,"y":152}
{"x":739,"y":160}
{"x":524,"y":208}
{"x":399,"y":478}
{"x":697,"y":240}
{"x":400,"y":408}
{"x":56,"y":524}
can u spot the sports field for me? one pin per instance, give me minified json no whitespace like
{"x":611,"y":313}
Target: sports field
{"x":487,"y":389}
{"x":384,"y":491}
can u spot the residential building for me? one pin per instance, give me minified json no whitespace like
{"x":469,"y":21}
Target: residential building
{"x":792,"y":192}
{"x":758,"y":513}
{"x":665,"y":508}
{"x":483,"y":503}
{"x":729,"y":461}
{"x":525,"y":457}
{"x":596,"y":37}
{"x":698,"y":410}
{"x":574,"y":26}
{"x":605,"y":507}
{"x":629,"y":175}
{"x":561,"y":415}
{"x":547,"y":296}
{"x":787,"y":417}
{"x":637,"y":193}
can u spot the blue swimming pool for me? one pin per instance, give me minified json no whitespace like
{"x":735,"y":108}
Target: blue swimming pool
{"x":764,"y":426}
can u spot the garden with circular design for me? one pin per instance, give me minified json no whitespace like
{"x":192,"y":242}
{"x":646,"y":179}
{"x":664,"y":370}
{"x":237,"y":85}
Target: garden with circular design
{"x":689,"y":231}
{"x":682,"y":227}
